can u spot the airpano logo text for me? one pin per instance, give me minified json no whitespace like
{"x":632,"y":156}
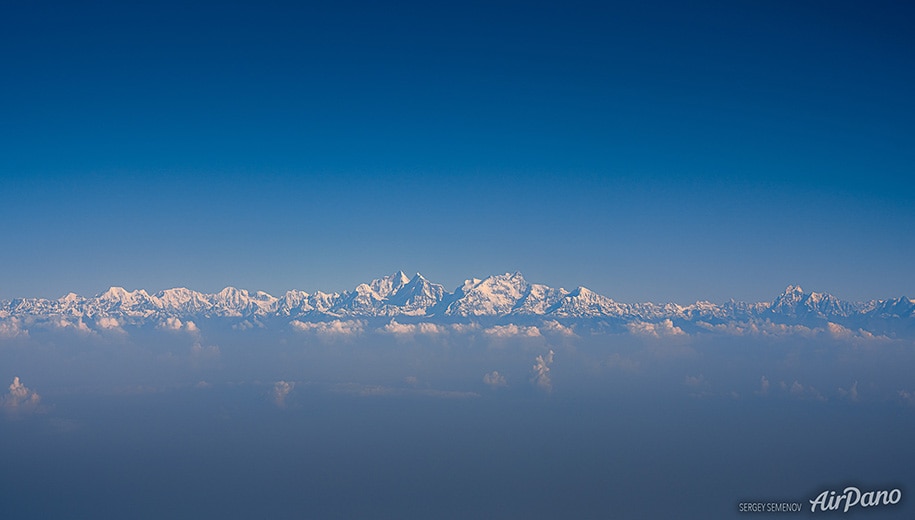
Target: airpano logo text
{"x":852,"y":497}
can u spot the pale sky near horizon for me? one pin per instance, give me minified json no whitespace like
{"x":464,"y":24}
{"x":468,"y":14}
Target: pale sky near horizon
{"x":653,"y":152}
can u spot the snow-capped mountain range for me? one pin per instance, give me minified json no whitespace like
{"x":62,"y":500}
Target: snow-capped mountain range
{"x":505,"y":298}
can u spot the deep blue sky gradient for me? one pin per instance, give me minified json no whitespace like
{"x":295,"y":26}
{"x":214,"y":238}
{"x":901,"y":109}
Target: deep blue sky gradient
{"x":656,"y":151}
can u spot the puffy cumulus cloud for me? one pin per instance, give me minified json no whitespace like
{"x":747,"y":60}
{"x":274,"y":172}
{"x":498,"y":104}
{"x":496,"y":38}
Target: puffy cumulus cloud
{"x":851,"y":394}
{"x":175,"y":324}
{"x":409,"y":329}
{"x":20,"y":398}
{"x":654,"y":330}
{"x":248,"y":324}
{"x":330,"y":328}
{"x":494,"y":379}
{"x":464,"y":328}
{"x":512,"y":331}
{"x":280,"y":390}
{"x":541,"y":371}
{"x":907,"y":397}
{"x":108,"y":323}
{"x":79,"y":325}
{"x":12,"y":327}
{"x":171,"y":323}
{"x":837,"y":331}
{"x":555,"y":328}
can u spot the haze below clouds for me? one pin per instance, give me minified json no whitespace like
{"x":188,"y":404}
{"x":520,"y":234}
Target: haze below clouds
{"x":412,"y":424}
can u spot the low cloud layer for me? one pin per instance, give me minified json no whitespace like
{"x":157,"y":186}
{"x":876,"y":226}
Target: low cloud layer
{"x":655,"y":330}
{"x":331,"y":328}
{"x":511,"y":331}
{"x":412,"y":328}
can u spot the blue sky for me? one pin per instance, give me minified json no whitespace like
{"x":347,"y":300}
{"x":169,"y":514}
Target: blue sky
{"x":650,"y":152}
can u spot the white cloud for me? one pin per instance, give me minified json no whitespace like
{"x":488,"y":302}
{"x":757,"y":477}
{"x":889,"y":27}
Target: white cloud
{"x":175,"y":324}
{"x":280,"y":390}
{"x":768,"y":328}
{"x":512,"y":330}
{"x":494,"y":379}
{"x":837,"y":331}
{"x":419,"y":328}
{"x":108,"y":323}
{"x":20,"y":398}
{"x":556,"y":328}
{"x":462,"y":328}
{"x":330,"y":328}
{"x":907,"y":397}
{"x":541,"y":371}
{"x":171,"y":323}
{"x":654,"y":330}
{"x":12,"y":327}
{"x":430,"y":328}
{"x":731,"y":328}
{"x":80,"y":325}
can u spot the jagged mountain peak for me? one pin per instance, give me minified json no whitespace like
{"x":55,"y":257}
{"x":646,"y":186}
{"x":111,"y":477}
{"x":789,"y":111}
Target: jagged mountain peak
{"x":121,"y":296}
{"x":494,"y":295}
{"x":386,"y":286}
{"x":502,"y":296}
{"x":70,"y":297}
{"x":793,"y":289}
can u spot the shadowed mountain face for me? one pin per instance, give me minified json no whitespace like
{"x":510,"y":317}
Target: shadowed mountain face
{"x":506,"y":298}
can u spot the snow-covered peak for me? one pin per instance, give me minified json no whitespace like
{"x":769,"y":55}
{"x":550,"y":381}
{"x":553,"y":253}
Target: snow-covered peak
{"x":505,"y":296}
{"x":232,"y":295}
{"x":121,"y":295}
{"x":494,"y":295}
{"x":70,"y":297}
{"x":583,"y":302}
{"x":794,"y":302}
{"x":388,"y":285}
{"x":182,"y":298}
{"x":417,"y":296}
